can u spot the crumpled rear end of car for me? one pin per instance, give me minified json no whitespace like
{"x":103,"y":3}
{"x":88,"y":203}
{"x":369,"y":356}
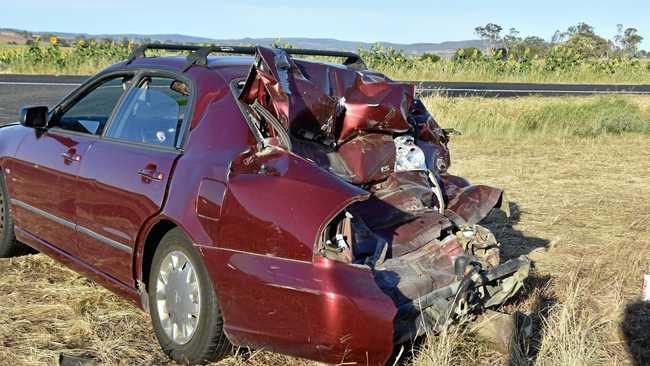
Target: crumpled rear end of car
{"x":417,"y":226}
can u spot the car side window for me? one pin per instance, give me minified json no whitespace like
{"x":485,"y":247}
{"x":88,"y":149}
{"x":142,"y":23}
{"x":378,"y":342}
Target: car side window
{"x":92,"y":111}
{"x":152,"y":113}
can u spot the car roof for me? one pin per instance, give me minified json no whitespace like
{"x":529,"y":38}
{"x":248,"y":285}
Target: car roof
{"x":228,"y":66}
{"x":225,"y":60}
{"x":180,"y":62}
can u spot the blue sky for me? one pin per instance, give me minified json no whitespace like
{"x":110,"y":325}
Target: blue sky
{"x":404,"y":21}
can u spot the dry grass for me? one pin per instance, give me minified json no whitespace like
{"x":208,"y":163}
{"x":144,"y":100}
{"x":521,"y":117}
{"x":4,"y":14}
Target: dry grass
{"x":543,"y":116}
{"x":581,"y":211}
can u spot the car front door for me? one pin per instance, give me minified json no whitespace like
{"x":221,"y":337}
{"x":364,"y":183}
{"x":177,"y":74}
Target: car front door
{"x":123,"y":178}
{"x":44,"y":172}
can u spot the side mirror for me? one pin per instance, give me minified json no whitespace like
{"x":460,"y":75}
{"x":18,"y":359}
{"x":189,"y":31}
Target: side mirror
{"x":34,"y":117}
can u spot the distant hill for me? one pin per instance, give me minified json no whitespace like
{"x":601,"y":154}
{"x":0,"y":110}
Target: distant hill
{"x":444,"y":49}
{"x":11,"y":37}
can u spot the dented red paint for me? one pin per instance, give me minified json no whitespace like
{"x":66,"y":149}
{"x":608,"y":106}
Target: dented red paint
{"x":255,"y":211}
{"x":320,"y":309}
{"x":332,"y":101}
{"x":283,"y":200}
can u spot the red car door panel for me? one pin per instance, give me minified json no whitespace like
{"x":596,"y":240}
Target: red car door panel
{"x":43,"y":177}
{"x":123,"y":179}
{"x":120,"y":186}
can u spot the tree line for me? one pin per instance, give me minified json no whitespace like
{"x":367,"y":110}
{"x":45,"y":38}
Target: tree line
{"x":580,"y":39}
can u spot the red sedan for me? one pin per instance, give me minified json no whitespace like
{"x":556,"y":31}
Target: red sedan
{"x":298,"y":206}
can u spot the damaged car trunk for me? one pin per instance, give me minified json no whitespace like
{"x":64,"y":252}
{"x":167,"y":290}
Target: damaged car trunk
{"x":416,"y":227}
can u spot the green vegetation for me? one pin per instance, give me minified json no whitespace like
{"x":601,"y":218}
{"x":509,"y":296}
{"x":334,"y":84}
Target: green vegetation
{"x":577,"y":55}
{"x":550,"y":70}
{"x":84,"y":57}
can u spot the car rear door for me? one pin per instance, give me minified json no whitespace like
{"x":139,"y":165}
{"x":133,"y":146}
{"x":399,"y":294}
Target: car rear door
{"x":123,"y":178}
{"x":44,"y":172}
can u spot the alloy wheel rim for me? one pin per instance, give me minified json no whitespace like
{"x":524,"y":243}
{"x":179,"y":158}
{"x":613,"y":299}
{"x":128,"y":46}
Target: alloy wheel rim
{"x":178,"y":297}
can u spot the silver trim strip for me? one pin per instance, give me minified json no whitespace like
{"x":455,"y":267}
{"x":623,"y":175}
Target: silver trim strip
{"x":47,"y":215}
{"x":105,"y":240}
{"x":73,"y":226}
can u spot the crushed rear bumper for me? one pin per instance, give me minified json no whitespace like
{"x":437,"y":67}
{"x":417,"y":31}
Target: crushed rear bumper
{"x":478,"y":289}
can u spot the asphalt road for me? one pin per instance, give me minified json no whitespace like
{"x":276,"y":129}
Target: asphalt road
{"x":506,"y":90}
{"x":19,"y":90}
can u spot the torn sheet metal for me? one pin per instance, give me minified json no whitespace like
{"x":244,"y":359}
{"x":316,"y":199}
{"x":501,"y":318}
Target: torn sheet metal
{"x":366,"y":158}
{"x":340,"y":105}
{"x":473,"y":203}
{"x":417,"y":230}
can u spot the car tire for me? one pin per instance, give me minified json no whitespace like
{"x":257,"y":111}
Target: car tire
{"x":173,"y":292}
{"x":9,"y":247}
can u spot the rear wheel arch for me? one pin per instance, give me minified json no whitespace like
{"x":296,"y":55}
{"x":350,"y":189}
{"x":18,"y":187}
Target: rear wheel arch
{"x":150,"y":244}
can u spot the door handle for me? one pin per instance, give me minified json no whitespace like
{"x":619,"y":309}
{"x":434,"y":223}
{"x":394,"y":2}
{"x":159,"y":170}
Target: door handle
{"x":151,"y":172}
{"x":71,"y":156}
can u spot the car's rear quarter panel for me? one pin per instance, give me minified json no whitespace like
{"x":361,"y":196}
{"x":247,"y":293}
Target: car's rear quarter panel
{"x":326,"y":311}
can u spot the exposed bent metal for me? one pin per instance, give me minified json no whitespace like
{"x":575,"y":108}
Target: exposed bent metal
{"x":409,"y":220}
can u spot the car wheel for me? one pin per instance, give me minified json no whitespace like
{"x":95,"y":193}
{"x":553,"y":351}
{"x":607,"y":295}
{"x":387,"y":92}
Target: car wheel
{"x":9,"y":247}
{"x":184,"y":308}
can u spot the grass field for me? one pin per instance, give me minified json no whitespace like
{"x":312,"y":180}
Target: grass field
{"x":581,"y":211}
{"x":512,"y":71}
{"x":91,"y":57}
{"x":543,"y":117}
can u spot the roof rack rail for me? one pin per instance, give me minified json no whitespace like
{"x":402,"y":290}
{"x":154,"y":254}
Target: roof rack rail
{"x":139,"y":52}
{"x":199,"y":56}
